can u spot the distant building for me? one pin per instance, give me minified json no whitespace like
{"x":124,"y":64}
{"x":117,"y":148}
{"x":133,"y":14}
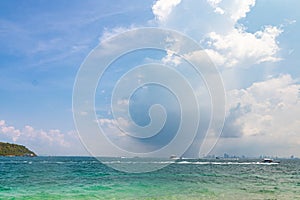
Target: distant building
{"x":226,"y":155}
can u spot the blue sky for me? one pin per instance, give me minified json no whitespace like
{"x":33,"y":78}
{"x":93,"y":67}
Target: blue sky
{"x":254,"y":45}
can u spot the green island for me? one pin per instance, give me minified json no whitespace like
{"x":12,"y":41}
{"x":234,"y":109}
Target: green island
{"x":7,"y":149}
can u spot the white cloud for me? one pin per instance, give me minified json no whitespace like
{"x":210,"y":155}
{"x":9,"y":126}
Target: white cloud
{"x":266,"y":116}
{"x":219,"y":31}
{"x":268,"y":111}
{"x":235,"y":8}
{"x":219,"y":10}
{"x":238,"y":9}
{"x":216,"y":57}
{"x":42,"y":142}
{"x":162,"y":8}
{"x":214,"y":4}
{"x":171,"y":59}
{"x":240,"y":47}
{"x":2,"y":122}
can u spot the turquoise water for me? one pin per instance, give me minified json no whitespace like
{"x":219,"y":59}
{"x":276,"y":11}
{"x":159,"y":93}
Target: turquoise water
{"x":87,"y":178}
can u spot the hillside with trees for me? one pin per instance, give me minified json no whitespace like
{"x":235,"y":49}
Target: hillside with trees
{"x":7,"y":149}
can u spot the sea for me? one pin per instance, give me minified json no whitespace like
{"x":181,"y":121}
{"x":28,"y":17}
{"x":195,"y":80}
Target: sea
{"x":88,"y":178}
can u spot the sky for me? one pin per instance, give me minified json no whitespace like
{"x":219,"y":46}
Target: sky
{"x":253,"y":44}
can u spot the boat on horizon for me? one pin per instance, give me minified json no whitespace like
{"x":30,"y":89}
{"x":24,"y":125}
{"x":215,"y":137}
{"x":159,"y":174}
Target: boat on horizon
{"x":174,"y":157}
{"x":269,"y":160}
